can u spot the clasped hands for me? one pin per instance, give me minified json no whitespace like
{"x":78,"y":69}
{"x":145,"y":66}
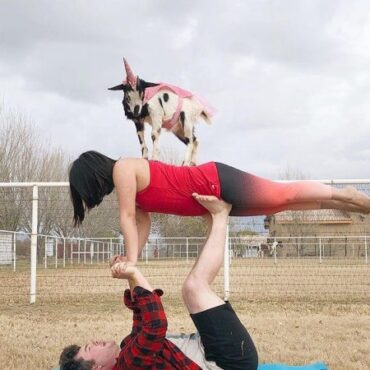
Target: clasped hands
{"x":121,"y":268}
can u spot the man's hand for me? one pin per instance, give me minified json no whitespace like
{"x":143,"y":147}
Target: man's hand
{"x":123,"y":270}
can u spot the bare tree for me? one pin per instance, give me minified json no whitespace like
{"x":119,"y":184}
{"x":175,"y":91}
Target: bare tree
{"x":24,"y":157}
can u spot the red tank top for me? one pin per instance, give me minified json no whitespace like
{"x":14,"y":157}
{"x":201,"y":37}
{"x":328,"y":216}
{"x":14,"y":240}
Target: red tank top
{"x":171,"y":187}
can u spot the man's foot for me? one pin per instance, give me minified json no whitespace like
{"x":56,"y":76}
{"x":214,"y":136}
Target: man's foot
{"x":213,"y":204}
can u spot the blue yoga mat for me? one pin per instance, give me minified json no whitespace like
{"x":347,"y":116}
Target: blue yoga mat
{"x":314,"y":366}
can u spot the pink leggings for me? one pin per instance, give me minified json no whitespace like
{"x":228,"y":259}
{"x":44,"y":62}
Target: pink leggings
{"x":251,"y":195}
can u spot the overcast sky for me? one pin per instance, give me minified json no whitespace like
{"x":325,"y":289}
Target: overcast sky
{"x":290,"y":79}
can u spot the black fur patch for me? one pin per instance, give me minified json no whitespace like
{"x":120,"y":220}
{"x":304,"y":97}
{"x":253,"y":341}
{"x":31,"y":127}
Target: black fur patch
{"x":160,"y":102}
{"x":166,"y":97}
{"x":186,"y":140}
{"x":127,"y":88}
{"x":141,"y":85}
{"x":182,"y":119}
{"x":182,"y":139}
{"x":153,"y":137}
{"x":127,"y":110}
{"x":139,"y":125}
{"x":140,"y":140}
{"x":144,"y":111}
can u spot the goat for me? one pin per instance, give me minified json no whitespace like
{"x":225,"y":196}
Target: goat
{"x":163,"y":106}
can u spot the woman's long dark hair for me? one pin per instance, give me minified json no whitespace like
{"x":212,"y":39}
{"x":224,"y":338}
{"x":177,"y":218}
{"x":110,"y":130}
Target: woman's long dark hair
{"x":90,"y":179}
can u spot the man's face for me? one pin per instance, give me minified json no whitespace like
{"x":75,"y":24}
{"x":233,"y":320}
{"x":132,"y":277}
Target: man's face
{"x":103,"y":353}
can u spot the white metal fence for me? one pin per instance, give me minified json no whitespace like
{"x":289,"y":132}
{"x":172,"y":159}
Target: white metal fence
{"x":282,"y":259}
{"x":264,"y":264}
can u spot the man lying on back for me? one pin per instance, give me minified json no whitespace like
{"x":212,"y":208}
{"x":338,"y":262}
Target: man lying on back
{"x":222,"y":342}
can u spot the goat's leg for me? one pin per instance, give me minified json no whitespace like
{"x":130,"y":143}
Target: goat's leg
{"x":156,"y":131}
{"x":187,"y":125}
{"x":193,"y":161}
{"x":179,"y":133}
{"x":140,"y":134}
{"x":181,"y":137}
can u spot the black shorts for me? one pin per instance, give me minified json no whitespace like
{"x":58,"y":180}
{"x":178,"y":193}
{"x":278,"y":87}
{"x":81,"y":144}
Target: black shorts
{"x":225,"y":339}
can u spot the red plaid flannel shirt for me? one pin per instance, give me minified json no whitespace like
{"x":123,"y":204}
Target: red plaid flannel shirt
{"x":147,"y":347}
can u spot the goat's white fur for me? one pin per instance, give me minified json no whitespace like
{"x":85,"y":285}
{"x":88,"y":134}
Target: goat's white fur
{"x":158,"y":113}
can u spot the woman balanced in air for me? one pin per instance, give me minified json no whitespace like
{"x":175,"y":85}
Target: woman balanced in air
{"x":144,"y":186}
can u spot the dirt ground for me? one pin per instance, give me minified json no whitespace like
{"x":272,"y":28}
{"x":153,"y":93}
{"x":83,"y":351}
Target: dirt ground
{"x":296,"y":311}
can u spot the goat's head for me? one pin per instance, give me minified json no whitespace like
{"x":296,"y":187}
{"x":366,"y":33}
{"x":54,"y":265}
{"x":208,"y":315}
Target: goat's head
{"x":133,"y":93}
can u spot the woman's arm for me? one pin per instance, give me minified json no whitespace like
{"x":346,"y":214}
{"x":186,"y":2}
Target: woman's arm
{"x":143,"y":223}
{"x":124,"y":177}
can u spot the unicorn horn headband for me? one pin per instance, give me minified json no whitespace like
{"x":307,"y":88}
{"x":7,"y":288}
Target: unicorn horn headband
{"x":130,"y":77}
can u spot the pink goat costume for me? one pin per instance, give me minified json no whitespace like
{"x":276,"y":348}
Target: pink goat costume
{"x":182,"y":94}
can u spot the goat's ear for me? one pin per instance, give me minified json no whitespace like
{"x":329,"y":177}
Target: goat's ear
{"x":145,"y":84}
{"x":118,"y":87}
{"x":139,"y":84}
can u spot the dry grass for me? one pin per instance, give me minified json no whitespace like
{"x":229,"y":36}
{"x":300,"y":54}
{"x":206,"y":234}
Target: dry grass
{"x":296,"y":311}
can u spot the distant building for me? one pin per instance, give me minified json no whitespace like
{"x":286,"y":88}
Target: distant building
{"x":329,"y":232}
{"x":317,"y":223}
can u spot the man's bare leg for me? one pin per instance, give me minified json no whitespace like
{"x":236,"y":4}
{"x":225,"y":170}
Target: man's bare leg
{"x":197,"y":293}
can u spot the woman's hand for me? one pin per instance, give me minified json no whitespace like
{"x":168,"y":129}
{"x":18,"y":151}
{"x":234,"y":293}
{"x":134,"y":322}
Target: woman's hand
{"x":117,"y":258}
{"x":124,"y":270}
{"x":120,"y":258}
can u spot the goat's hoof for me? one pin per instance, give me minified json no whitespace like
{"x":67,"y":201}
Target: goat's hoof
{"x":192,"y":164}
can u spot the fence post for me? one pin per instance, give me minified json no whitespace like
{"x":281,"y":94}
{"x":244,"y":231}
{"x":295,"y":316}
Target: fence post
{"x":45,"y":254}
{"x":365,"y":249}
{"x":320,"y":251}
{"x":227,"y":266}
{"x":146,"y":253}
{"x":85,"y":252}
{"x":103,"y":252}
{"x":92,"y":249}
{"x":56,"y":252}
{"x":14,"y":251}
{"x":187,"y":250}
{"x":275,"y":257}
{"x":64,"y":251}
{"x":79,"y":251}
{"x":35,"y":197}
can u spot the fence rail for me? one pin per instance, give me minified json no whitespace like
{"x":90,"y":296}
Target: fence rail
{"x":32,"y":260}
{"x":255,"y":266}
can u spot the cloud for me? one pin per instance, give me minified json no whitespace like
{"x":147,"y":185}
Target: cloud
{"x":290,"y":79}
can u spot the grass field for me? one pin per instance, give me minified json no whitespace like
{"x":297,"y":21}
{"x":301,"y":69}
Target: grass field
{"x":297,"y":311}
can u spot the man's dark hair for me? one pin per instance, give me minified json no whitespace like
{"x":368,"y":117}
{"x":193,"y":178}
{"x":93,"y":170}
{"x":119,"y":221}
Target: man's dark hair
{"x":67,"y":359}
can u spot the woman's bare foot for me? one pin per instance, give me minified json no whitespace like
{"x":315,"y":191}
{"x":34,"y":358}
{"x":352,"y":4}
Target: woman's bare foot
{"x":214,"y":205}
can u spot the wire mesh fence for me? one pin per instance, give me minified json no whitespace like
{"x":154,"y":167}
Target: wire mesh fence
{"x":46,"y":257}
{"x":318,"y":268}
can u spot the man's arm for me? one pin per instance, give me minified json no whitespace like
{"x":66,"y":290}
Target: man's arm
{"x":124,"y":270}
{"x":140,"y":351}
